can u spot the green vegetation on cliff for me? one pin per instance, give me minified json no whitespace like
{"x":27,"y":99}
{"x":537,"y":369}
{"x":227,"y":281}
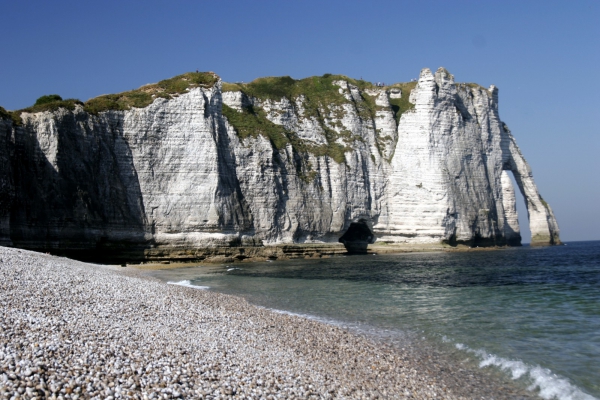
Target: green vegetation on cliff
{"x":50,"y":102}
{"x":321,"y":98}
{"x":253,"y":121}
{"x":317,"y":98}
{"x":52,"y":105}
{"x":145,"y":95}
{"x":12,"y":115}
{"x":4,"y":113}
{"x":139,"y":98}
{"x":401,"y":105}
{"x":49,"y":98}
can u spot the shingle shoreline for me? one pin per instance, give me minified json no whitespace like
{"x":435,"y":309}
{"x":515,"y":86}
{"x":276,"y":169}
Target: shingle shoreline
{"x":75,"y":330}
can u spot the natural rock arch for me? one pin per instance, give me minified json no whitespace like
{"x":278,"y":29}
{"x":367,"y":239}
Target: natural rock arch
{"x":542,"y":223}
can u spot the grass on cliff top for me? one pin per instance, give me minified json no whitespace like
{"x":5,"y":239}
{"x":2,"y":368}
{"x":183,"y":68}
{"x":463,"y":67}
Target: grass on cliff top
{"x":320,"y":94}
{"x":139,"y":98}
{"x":321,"y":101}
{"x":316,"y":89}
{"x":5,"y":114}
{"x":49,"y":98}
{"x":51,"y":102}
{"x":69,"y":104}
{"x":145,"y":95}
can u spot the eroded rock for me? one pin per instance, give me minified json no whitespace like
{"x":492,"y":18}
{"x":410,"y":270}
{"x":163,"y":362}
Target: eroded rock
{"x":179,"y":175}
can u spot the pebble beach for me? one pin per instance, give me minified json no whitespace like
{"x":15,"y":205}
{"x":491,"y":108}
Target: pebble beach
{"x":75,"y":330}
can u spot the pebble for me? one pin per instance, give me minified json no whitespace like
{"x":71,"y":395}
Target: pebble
{"x":74,"y":330}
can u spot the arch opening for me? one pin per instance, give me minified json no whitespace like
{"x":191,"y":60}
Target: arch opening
{"x":512,"y":229}
{"x":524,"y":233}
{"x":358,"y":237}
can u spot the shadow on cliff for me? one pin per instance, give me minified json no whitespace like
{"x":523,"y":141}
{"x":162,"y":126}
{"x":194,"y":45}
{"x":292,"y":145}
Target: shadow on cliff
{"x":86,"y":203}
{"x":236,"y":215}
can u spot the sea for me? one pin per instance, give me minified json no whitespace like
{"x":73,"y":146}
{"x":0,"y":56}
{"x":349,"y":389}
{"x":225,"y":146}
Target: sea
{"x":529,"y":313}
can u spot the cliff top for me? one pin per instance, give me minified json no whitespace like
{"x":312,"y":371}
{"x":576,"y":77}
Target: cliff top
{"x":321,"y":98}
{"x":317,"y":92}
{"x":146,"y":94}
{"x":139,"y":98}
{"x":322,"y":92}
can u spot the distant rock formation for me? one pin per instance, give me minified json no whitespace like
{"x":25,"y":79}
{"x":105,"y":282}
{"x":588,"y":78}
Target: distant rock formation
{"x":275,"y":161}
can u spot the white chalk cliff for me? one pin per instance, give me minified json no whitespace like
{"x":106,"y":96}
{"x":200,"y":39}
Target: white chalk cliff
{"x":178,"y":173}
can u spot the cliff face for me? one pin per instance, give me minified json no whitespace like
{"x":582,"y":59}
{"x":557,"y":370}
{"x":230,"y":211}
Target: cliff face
{"x":244,"y":166}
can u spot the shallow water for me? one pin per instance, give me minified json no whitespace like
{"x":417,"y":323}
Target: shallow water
{"x":532,"y":312}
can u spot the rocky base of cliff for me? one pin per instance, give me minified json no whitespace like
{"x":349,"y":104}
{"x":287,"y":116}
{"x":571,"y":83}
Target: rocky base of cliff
{"x":164,"y":255}
{"x":219,"y":254}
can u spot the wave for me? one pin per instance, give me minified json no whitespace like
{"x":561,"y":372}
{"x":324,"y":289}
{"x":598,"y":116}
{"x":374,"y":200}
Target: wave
{"x":550,"y":385}
{"x":189,"y":284}
{"x":306,"y":316}
{"x":397,"y":337}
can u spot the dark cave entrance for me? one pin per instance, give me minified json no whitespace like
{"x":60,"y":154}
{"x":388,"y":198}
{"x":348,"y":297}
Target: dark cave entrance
{"x":358,"y":237}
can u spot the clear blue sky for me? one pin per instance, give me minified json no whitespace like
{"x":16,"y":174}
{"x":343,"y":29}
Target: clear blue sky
{"x":543,"y":55}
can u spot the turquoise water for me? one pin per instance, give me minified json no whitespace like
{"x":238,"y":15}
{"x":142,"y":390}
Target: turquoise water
{"x":532,"y":312}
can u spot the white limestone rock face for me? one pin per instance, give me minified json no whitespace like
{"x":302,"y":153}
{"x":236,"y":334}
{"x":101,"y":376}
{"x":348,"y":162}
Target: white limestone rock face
{"x":306,"y":198}
{"x":418,"y":194}
{"x":73,"y":183}
{"x":177,"y":174}
{"x":542,"y":223}
{"x":236,"y":100}
{"x":450,"y":157}
{"x":186,"y":170}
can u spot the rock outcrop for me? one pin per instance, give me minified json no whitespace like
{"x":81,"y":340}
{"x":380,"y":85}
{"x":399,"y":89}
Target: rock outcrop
{"x":276,"y":161}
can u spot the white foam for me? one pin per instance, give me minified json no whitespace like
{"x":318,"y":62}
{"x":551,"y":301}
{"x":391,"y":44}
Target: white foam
{"x":550,"y":385}
{"x":187,"y":283}
{"x":333,"y":322}
{"x":233,"y":269}
{"x":293,"y":314}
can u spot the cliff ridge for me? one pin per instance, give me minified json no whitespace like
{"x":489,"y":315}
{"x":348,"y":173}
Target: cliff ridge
{"x":195,"y":163}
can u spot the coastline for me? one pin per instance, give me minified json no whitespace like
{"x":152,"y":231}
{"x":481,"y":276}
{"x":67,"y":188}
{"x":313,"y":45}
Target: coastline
{"x":286,"y":252}
{"x":73,"y":329}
